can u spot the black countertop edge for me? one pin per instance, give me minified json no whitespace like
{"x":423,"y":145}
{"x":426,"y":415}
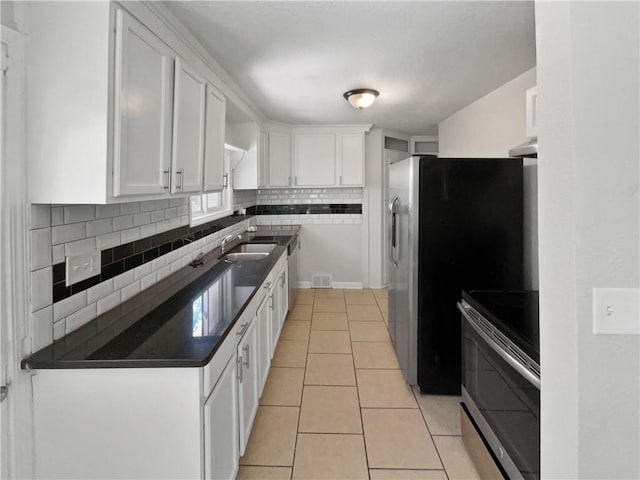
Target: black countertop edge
{"x":36,"y":361}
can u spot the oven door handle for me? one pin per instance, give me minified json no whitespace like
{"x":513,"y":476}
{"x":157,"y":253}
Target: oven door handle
{"x":521,"y":369}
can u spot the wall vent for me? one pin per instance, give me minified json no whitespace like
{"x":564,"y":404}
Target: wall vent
{"x":320,"y":280}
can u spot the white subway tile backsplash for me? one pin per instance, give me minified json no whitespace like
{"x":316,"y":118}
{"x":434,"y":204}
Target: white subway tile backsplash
{"x":123,"y":280}
{"x":106,"y":211}
{"x":141,"y":218}
{"x":129,"y":208}
{"x":59,"y":329}
{"x":176,"y":202}
{"x":57,"y":253}
{"x":158,"y":262}
{"x":99,"y":227}
{"x":163,"y":226}
{"x":40,"y":248}
{"x":108,"y":240}
{"x":177,"y":222}
{"x":42,"y":328}
{"x":175,"y":266}
{"x":99,"y":291}
{"x":67,"y":233}
{"x":79,"y":246}
{"x":69,"y":305}
{"x":148,"y":230}
{"x":147,"y":206}
{"x":41,"y":294}
{"x":142,"y":270}
{"x":40,"y":216}
{"x":80,"y":317}
{"x":146,"y":282}
{"x":130,"y":235}
{"x":164,"y":272}
{"x":162,"y":203}
{"x":79,"y":213}
{"x":157,"y":215}
{"x":171,"y":212}
{"x":57,"y":216}
{"x":130,"y":290}
{"x":107,"y":303}
{"x":123,"y":222}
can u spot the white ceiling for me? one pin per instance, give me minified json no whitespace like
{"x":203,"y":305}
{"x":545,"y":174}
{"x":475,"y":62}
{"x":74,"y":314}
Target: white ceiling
{"x":295,"y":59}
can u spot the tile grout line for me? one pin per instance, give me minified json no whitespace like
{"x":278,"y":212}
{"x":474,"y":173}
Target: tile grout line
{"x":355,"y":374}
{"x":424,"y":419}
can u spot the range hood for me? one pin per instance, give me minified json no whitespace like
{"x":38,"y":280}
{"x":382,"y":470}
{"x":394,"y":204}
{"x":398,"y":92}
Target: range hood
{"x":528,"y":149}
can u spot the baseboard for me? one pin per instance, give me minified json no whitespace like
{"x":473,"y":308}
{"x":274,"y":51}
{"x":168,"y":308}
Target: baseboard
{"x":346,"y":285}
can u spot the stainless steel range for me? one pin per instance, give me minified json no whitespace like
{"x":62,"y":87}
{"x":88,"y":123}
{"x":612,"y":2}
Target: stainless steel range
{"x":501,"y":376}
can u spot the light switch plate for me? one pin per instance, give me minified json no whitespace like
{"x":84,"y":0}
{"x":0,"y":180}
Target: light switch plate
{"x":83,"y":266}
{"x":616,"y":311}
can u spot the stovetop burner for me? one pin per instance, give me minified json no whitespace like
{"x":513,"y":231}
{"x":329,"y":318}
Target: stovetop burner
{"x":515,"y":313}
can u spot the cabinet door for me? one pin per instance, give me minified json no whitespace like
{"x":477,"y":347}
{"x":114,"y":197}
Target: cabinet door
{"x":221,"y":435}
{"x":274,"y":306}
{"x":265,"y":353}
{"x":247,"y":382}
{"x":284,"y":285}
{"x":188,"y":130}
{"x":143,"y":93}
{"x":279,"y":159}
{"x":214,"y":140}
{"x":315,"y":159}
{"x":263,"y":157}
{"x":350,"y":159}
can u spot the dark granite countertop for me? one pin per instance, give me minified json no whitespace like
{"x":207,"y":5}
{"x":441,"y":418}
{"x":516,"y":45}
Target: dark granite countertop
{"x":178,"y":322}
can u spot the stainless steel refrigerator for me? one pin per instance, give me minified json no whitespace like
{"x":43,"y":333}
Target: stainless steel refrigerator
{"x":454,"y":224}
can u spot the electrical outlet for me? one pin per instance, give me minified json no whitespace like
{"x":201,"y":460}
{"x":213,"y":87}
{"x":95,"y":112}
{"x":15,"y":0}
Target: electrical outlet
{"x":616,"y":311}
{"x":83,"y":266}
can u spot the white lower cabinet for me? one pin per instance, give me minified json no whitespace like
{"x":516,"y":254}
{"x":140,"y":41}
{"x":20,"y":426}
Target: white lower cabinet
{"x":248,"y":394}
{"x":185,"y":422}
{"x":221,"y":427}
{"x":265,"y":352}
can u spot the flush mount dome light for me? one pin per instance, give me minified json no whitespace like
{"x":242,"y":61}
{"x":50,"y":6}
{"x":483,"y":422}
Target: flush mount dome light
{"x":361,"y":97}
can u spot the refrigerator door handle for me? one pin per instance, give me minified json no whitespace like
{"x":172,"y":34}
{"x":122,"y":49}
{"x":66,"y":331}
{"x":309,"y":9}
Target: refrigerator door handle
{"x":393,"y":239}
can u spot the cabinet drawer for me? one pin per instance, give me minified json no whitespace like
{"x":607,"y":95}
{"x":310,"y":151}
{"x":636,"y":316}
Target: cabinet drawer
{"x":212,"y":371}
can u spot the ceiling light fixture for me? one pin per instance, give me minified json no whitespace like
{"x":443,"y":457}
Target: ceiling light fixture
{"x":361,"y":97}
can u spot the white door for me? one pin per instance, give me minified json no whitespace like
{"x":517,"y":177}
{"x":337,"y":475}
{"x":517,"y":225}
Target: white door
{"x":315,"y":159}
{"x":221,"y":435}
{"x":264,"y":342}
{"x":247,"y":382}
{"x":350,"y":159}
{"x":188,"y":130}
{"x":143,"y":110}
{"x":214,"y":140}
{"x":279,"y":159}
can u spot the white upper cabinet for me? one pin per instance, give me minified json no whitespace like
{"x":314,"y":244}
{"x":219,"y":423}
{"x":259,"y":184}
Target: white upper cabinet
{"x":315,"y":159}
{"x":214,"y":139}
{"x":143,"y":112}
{"x":350,"y":159}
{"x":118,"y":110}
{"x":279,"y":159}
{"x":187,"y":170}
{"x":251,"y":172}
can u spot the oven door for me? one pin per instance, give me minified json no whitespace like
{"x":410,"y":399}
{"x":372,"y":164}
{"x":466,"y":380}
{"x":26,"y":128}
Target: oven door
{"x":501,"y":389}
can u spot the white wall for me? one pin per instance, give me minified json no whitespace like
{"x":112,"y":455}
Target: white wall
{"x":374,"y":195}
{"x":489,"y":127}
{"x":589,"y":94}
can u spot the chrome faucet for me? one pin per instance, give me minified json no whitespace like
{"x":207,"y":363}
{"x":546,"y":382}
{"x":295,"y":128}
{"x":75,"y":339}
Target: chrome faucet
{"x":226,"y":240}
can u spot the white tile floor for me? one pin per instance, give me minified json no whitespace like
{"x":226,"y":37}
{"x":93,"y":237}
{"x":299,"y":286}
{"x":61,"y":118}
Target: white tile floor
{"x":335,"y":405}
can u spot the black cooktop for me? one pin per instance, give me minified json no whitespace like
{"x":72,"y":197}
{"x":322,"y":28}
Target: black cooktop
{"x":515,"y":313}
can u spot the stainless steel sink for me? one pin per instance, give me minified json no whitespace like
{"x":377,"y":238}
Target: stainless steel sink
{"x":244,"y":256}
{"x":254,"y":248}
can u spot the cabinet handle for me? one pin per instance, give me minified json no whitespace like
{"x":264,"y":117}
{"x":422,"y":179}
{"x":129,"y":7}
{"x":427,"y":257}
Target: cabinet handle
{"x":180,"y":182}
{"x":246,"y":352}
{"x":271,"y":301}
{"x":225,"y":181}
{"x":296,"y":180}
{"x":268,"y":284}
{"x":239,"y":362}
{"x":289,"y":181}
{"x":340,"y":179}
{"x":282,"y":280}
{"x":244,"y":327}
{"x":167,"y":172}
